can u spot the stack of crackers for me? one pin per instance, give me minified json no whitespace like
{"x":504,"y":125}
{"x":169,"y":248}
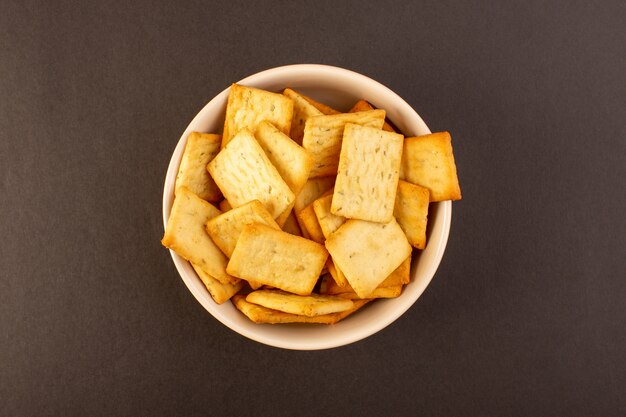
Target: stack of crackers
{"x":301,"y":213}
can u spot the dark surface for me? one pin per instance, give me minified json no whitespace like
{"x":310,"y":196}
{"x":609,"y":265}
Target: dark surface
{"x":526,"y":315}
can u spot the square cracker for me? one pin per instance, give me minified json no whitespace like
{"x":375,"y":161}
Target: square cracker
{"x":367,"y":177}
{"x":363,"y":105}
{"x":247,"y":107}
{"x":200,"y":149}
{"x":219,"y":292}
{"x":226,"y":228}
{"x":400,"y":276}
{"x":276,"y":258}
{"x":185,"y":234}
{"x":292,"y":161}
{"x":411,"y":212}
{"x":244,"y":173}
{"x":323,"y":136}
{"x":428,"y":161}
{"x":368,"y":252}
{"x":302,"y":110}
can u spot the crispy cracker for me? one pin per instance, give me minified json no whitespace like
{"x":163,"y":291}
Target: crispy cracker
{"x":411,"y":212}
{"x":309,"y":305}
{"x":325,"y":109}
{"x":323,"y":136}
{"x":302,"y":110}
{"x":259,"y":314}
{"x":400,"y":276}
{"x":219,"y":292}
{"x":328,"y":222}
{"x":292,"y":161}
{"x":363,"y":105}
{"x":226,"y":228}
{"x":244,"y":173}
{"x":308,"y":220}
{"x":291,"y":225}
{"x":367,"y":178}
{"x":224,"y":205}
{"x":368,"y":252}
{"x":428,"y":161}
{"x":276,"y":258}
{"x":185,"y":235}
{"x":200,"y":149}
{"x":380,"y":292}
{"x":247,"y":107}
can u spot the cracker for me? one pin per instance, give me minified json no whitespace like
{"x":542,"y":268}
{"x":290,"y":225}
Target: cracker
{"x":323,"y":136}
{"x":292,"y":161}
{"x":247,"y":107}
{"x":302,"y":110}
{"x":336,"y":273}
{"x":429,"y":161}
{"x":400,"y":276}
{"x":224,"y":205}
{"x":363,"y":105}
{"x":313,"y":188}
{"x":185,"y":235}
{"x":325,"y":109}
{"x":291,"y":225}
{"x":259,"y":314}
{"x":411,"y":212}
{"x":226,"y":228}
{"x":380,"y":292}
{"x":368,"y":252}
{"x":244,"y":173}
{"x":368,"y":172}
{"x":273,"y":257}
{"x":328,"y":222}
{"x":219,"y":292}
{"x":309,"y":222}
{"x":309,"y":305}
{"x":200,"y":149}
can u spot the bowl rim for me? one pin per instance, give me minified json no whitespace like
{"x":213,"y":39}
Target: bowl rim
{"x":444,"y":210}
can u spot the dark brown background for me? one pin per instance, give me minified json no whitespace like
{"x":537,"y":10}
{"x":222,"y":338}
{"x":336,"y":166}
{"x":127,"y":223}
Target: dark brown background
{"x":526,"y":315}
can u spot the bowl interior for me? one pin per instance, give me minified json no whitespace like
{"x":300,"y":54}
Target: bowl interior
{"x":339,"y":88}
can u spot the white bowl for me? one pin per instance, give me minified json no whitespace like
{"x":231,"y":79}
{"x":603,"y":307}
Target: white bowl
{"x":339,"y":88}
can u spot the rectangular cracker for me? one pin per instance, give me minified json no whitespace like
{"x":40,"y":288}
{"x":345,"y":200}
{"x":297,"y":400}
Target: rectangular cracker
{"x":411,"y":212}
{"x":302,"y":110}
{"x":325,"y":109}
{"x":291,"y":225}
{"x":291,"y":160}
{"x":219,"y":292}
{"x":313,"y":188}
{"x":335,"y":273}
{"x":259,"y":314}
{"x":400,"y":276}
{"x":247,"y":107}
{"x":309,"y":222}
{"x":323,"y":136}
{"x":185,"y":234}
{"x":200,"y":149}
{"x":368,"y":252}
{"x":367,"y":178}
{"x":380,"y":292}
{"x":303,"y":305}
{"x":328,"y":221}
{"x":244,"y":173}
{"x":276,"y":258}
{"x":363,"y":105}
{"x":226,"y":228}
{"x":428,"y":161}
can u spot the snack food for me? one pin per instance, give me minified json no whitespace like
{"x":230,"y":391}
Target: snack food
{"x":292,"y":211}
